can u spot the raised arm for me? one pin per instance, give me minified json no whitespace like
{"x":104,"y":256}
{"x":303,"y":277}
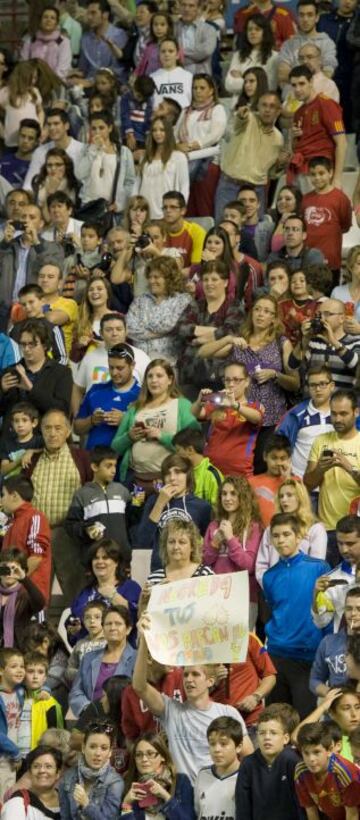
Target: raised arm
{"x":148,"y":694}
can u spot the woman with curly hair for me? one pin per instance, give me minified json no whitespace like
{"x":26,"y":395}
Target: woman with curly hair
{"x":163,"y":168}
{"x":96,"y":301}
{"x":232,"y":541}
{"x":293,"y":497}
{"x":257,"y":48}
{"x":152,"y":317}
{"x":57,"y":174}
{"x":180,"y":550}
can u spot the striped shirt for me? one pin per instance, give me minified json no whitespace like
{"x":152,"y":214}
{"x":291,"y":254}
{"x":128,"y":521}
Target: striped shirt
{"x":342,"y":363}
{"x":159,"y":575}
{"x":339,"y":790}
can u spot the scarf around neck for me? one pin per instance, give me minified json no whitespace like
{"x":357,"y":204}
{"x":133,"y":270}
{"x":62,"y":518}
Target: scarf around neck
{"x":164,"y":778}
{"x":205,"y":111}
{"x":85,"y":773}
{"x":9,"y":613}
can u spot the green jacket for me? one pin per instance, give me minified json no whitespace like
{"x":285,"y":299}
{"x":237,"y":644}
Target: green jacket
{"x":122,"y":442}
{"x":208,"y":480}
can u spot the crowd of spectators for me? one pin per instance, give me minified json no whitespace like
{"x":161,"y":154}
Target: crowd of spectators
{"x":179,"y":397}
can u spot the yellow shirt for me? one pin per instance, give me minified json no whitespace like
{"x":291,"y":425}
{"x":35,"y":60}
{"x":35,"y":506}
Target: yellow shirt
{"x":68,"y":306}
{"x":251,"y":150}
{"x":338,"y":488}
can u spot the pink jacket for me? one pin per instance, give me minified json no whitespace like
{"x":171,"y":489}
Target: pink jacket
{"x":234,"y":556}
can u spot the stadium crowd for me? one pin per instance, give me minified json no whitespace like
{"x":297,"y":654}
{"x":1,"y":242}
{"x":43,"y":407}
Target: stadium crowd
{"x":179,"y":397}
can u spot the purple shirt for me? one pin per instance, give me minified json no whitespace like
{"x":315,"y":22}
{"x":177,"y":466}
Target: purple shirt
{"x":107,"y":670}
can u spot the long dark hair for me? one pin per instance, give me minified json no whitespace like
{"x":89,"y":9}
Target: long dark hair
{"x":107,"y":117}
{"x":71,"y":180}
{"x":158,"y":742}
{"x":262,"y":86}
{"x":168,"y":146}
{"x":113,"y":551}
{"x":267,"y":44}
{"x":227,"y":255}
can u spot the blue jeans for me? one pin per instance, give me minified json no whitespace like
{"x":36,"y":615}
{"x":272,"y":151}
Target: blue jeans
{"x":228,"y":189}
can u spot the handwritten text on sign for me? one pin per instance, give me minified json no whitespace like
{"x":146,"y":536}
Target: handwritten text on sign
{"x":200,"y":620}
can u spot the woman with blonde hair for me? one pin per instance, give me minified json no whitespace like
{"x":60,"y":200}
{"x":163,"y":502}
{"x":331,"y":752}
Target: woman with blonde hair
{"x":232,"y":540}
{"x":292,"y":497}
{"x":264,"y":350}
{"x":163,"y":168}
{"x":349,"y":293}
{"x":153,"y":317}
{"x":180,"y":550}
{"x":20,"y":99}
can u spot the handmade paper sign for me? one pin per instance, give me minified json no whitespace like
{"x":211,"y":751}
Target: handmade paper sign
{"x":200,"y":620}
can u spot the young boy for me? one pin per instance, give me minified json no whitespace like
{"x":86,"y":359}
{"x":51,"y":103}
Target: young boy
{"x":58,"y":309}
{"x":214,"y":790}
{"x":92,"y":615}
{"x":325,"y":781}
{"x":83,"y":261}
{"x":135,"y":112}
{"x":277,"y":457}
{"x":31,"y":299}
{"x":97,"y":509}
{"x":292,"y":638}
{"x":37,"y":714}
{"x":190,"y":443}
{"x":29,"y":530}
{"x":327,"y":213}
{"x":12,"y":673}
{"x":265,"y":784}
{"x":23,"y":439}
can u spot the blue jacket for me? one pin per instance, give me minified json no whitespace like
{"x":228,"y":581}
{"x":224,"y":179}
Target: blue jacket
{"x":7,"y":746}
{"x":9,"y":352}
{"x":189,"y":507}
{"x":288,"y":589}
{"x":330,"y":665}
{"x":291,"y":423}
{"x":135,"y":116}
{"x":84,"y":684}
{"x":180,"y":807}
{"x":105,"y":796}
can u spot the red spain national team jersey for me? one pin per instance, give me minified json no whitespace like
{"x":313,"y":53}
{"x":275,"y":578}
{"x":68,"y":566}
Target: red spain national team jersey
{"x":339,"y":789}
{"x":320,"y":121}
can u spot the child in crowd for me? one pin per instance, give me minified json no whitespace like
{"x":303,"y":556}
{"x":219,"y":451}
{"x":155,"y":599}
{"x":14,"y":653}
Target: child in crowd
{"x":324,"y":781}
{"x":135,"y":112}
{"x":354,"y":739}
{"x":234,"y":422}
{"x":28,"y":531}
{"x":97,"y":509}
{"x":22,"y":440}
{"x":277,"y":457}
{"x":38,"y":714}
{"x":189,"y":443}
{"x":93,"y":788}
{"x":31,"y":306}
{"x":214,"y":790}
{"x":265,"y":784}
{"x":300,"y":307}
{"x":83,"y":261}
{"x":92,"y":621}
{"x":327,"y":213}
{"x":12,"y":673}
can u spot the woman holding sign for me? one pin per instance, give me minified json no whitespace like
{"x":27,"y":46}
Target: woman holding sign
{"x":180,"y":553}
{"x":152,"y":787}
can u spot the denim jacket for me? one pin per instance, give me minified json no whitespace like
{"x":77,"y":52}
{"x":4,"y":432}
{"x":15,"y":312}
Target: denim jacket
{"x":105,"y":796}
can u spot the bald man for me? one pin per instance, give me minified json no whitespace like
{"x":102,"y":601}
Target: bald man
{"x":329,"y":344}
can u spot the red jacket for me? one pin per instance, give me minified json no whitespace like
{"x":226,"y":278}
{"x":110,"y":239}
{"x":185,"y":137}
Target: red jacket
{"x":29,"y":531}
{"x":136,"y":718}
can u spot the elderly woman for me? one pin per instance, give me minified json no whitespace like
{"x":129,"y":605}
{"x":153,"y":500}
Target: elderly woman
{"x":153,"y":317}
{"x":118,"y":658}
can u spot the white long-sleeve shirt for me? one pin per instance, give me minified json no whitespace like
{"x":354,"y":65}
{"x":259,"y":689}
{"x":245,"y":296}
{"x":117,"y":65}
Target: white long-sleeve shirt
{"x":205,"y":132}
{"x":157,"y":179}
{"x":234,"y":85}
{"x":314,"y":543}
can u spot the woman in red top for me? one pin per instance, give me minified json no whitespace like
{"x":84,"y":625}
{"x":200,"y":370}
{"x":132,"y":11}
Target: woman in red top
{"x":234,"y":421}
{"x":300,"y":307}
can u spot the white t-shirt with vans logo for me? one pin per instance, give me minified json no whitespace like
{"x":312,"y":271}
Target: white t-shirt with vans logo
{"x":176,"y":83}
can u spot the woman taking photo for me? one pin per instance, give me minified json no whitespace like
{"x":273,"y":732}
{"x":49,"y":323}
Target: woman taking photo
{"x":175,"y":494}
{"x":117,"y":658}
{"x":109,"y":583}
{"x":106,"y":169}
{"x":288,"y":201}
{"x":152,"y":317}
{"x":180,"y":550}
{"x":264,"y":350}
{"x":151,"y":765}
{"x":36,"y":378}
{"x":41,"y":800}
{"x":144,"y":436}
{"x":20,"y":598}
{"x":232,"y":540}
{"x":57,"y":174}
{"x":293,"y":497}
{"x":350,"y":292}
{"x":257,"y":48}
{"x":163,"y":168}
{"x":95,"y":303}
{"x":92,"y":788}
{"x":211,"y":318}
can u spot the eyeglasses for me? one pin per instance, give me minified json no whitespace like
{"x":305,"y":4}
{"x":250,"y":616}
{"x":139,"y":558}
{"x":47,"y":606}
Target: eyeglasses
{"x":41,"y":767}
{"x":230,"y":380}
{"x":150,"y":755}
{"x":318,"y":385}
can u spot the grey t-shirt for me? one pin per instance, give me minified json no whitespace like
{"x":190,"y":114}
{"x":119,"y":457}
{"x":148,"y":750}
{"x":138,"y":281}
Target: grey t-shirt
{"x":186,"y":727}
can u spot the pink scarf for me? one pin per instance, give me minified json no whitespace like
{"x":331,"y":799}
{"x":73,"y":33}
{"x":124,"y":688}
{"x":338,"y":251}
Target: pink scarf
{"x":205,"y":114}
{"x":46,"y":47}
{"x":9,"y":613}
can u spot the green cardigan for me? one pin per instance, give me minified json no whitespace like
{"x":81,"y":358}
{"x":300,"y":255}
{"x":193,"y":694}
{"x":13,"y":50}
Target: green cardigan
{"x":122,"y":442}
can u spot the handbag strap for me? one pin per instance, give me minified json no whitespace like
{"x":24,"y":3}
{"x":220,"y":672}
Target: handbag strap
{"x":116,"y":178}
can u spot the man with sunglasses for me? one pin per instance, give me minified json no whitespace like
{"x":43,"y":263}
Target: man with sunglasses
{"x":324,"y":342}
{"x":104,"y":404}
